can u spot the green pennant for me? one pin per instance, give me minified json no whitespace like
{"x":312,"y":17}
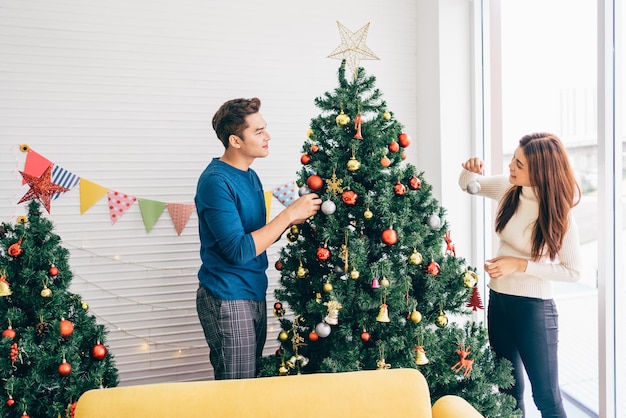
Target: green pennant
{"x":151,"y":210}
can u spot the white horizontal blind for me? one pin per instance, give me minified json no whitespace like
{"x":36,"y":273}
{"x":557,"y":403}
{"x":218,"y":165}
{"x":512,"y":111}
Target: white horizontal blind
{"x":121,"y":93}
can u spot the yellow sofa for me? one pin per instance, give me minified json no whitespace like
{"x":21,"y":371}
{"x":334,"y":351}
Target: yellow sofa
{"x":372,"y":393}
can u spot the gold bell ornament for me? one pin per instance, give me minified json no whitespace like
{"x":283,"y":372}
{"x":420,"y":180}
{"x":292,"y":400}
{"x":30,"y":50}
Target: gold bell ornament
{"x":301,"y":272}
{"x":383,"y":314}
{"x":420,"y":356}
{"x":5,"y":289}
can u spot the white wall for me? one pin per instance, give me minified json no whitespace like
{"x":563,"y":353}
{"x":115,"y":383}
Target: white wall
{"x":122,"y":93}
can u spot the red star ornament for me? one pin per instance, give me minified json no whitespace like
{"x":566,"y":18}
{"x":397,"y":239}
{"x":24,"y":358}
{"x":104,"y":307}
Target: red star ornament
{"x":41,"y":188}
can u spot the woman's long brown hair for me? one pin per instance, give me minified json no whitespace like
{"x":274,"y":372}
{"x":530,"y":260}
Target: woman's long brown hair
{"x":557,"y":191}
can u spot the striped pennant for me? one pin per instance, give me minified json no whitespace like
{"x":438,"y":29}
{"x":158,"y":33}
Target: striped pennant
{"x":62,"y":177}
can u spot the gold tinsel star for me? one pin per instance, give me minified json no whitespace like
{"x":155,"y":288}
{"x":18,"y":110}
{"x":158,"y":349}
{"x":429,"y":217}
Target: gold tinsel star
{"x":41,"y":188}
{"x":353,"y":48}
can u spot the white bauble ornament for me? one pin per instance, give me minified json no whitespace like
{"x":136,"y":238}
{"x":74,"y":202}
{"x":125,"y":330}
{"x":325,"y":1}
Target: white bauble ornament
{"x":434,"y":221}
{"x":328,"y":207}
{"x":473,"y":187}
{"x":304,"y":190}
{"x":322,"y":329}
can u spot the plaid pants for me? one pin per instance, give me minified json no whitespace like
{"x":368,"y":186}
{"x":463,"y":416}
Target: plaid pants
{"x":235,"y":331}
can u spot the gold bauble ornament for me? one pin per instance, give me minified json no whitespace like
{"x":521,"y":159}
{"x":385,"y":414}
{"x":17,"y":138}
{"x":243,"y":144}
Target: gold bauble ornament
{"x":46,"y":292}
{"x":470,"y":279}
{"x":283,"y":336}
{"x":386,"y":115}
{"x":384,"y":282}
{"x":301,"y":272}
{"x":368,"y":214}
{"x":353,"y":164}
{"x":309,"y":133}
{"x":342,"y":119}
{"x":415,"y":258}
{"x":415,"y":316}
{"x":328,"y":287}
{"x":294,"y":229}
{"x":442,"y":320}
{"x":354,"y":274}
{"x":85,"y":306}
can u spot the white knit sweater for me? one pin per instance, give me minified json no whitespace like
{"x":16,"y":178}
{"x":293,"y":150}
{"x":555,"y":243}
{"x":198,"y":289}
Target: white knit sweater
{"x":515,"y":241}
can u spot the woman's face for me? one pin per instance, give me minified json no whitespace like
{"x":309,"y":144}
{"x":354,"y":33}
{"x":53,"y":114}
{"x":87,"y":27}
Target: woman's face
{"x":519,"y":174}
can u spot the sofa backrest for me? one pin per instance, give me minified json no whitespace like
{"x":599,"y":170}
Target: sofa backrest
{"x":373,"y":393}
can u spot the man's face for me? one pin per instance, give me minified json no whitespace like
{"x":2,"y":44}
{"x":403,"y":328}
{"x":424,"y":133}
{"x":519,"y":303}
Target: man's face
{"x":255,"y":141}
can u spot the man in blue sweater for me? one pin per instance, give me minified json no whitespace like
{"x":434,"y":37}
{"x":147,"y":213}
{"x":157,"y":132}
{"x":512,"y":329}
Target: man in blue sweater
{"x":234,"y":236}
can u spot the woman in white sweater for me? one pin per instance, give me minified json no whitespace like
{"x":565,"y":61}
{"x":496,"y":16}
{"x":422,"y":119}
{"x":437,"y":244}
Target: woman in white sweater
{"x":538,"y":244}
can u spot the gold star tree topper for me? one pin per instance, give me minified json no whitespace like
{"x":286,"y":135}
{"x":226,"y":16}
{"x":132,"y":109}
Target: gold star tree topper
{"x":353,"y":48}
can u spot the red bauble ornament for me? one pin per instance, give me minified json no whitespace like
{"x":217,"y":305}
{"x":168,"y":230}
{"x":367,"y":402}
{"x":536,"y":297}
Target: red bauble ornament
{"x":389,"y":236}
{"x":99,"y":351}
{"x":399,"y":189}
{"x":433,"y":268}
{"x":66,"y":328}
{"x":315,"y":182}
{"x":313,"y":336}
{"x":8,"y":333}
{"x":393,"y":146}
{"x":404,"y":140}
{"x":53,"y":270}
{"x":10,"y":401}
{"x":278,"y":305}
{"x":279,"y":265}
{"x":365,"y":336}
{"x":322,"y":253}
{"x":349,"y":197}
{"x":314,"y":148}
{"x":415,"y":183}
{"x":305,"y":159}
{"x":15,"y":250}
{"x":65,"y":368}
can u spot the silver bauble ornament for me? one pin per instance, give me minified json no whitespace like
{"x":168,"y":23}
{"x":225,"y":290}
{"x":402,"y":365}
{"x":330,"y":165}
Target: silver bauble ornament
{"x":322,"y":329}
{"x":328,"y":207}
{"x":473,"y":187}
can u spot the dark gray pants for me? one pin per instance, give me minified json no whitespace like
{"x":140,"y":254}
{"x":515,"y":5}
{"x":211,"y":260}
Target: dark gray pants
{"x":235,"y":331}
{"x":525,"y":331}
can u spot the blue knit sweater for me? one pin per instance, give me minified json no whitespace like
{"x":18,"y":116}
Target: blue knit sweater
{"x":231,"y":205}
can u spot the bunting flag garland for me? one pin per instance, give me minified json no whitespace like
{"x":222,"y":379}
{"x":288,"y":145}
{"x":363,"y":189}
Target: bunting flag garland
{"x":286,"y":193}
{"x":90,"y":193}
{"x":49,"y":181}
{"x":180,"y":213}
{"x":64,"y":178}
{"x":35,"y":163}
{"x":119,"y":203}
{"x":151,"y":211}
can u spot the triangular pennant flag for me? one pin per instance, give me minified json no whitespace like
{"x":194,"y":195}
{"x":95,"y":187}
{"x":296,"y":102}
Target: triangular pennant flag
{"x":287,"y":193}
{"x":35,"y":164}
{"x":90,"y":193}
{"x":151,"y":210}
{"x":119,"y":203}
{"x":268,"y":205}
{"x":63,"y":178}
{"x":180,"y":213}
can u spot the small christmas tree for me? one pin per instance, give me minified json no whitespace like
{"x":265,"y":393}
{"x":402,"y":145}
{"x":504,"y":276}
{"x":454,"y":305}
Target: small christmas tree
{"x":368,"y":279}
{"x":51,"y":349}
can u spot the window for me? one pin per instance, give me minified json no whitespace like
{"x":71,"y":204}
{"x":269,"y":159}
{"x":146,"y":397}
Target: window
{"x":546,"y":55}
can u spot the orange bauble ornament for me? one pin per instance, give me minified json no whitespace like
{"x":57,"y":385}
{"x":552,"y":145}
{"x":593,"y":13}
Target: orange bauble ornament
{"x":305,"y":159}
{"x":65,"y":368}
{"x":315,"y":182}
{"x":385,"y":162}
{"x":8,"y":333}
{"x":389,"y":236}
{"x":404,"y":140}
{"x":313,"y":336}
{"x":99,"y":351}
{"x":66,"y":328}
{"x":393,"y":146}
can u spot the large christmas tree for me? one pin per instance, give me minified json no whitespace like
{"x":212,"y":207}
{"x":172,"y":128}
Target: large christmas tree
{"x":373,"y":281}
{"x":52,"y":350}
